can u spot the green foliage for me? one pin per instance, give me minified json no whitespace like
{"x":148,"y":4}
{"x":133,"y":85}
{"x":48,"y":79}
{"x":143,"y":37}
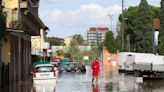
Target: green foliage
{"x":79,"y":39}
{"x":161,"y":30}
{"x":56,"y":42}
{"x":67,"y":55}
{"x":76,"y":41}
{"x":59,"y":52}
{"x":110,"y":42}
{"x":138,"y":24}
{"x":73,"y":47}
{"x":155,"y":11}
{"x":143,"y":28}
{"x":17,"y":22}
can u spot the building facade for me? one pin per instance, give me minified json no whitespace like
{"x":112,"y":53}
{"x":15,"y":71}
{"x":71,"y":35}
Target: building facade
{"x":95,"y":36}
{"x":38,"y":43}
{"x":67,"y":40}
{"x":22,"y":23}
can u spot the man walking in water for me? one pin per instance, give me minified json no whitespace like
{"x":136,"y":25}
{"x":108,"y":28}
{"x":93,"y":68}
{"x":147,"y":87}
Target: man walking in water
{"x":95,"y":70}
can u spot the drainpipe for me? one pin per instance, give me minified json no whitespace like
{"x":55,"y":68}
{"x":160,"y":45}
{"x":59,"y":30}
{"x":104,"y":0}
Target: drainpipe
{"x":0,"y":60}
{"x":0,"y":49}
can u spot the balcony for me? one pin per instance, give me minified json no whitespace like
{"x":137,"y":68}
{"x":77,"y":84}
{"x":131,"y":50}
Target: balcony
{"x":26,"y":22}
{"x":15,"y":25}
{"x":12,"y":20}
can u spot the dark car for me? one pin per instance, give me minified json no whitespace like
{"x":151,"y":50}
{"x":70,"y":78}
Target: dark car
{"x":73,"y":66}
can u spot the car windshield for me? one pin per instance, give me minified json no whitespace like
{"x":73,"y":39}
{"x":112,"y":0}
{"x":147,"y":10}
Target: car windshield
{"x":55,"y":65}
{"x":44,"y":69}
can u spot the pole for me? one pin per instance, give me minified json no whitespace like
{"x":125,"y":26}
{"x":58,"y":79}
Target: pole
{"x":111,"y":21}
{"x":0,"y":60}
{"x":122,"y":28}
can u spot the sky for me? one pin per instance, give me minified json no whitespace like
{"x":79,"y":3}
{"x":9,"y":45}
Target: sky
{"x":65,"y":18}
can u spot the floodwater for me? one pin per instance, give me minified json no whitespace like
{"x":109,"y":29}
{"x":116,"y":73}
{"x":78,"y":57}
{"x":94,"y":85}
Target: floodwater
{"x":109,"y":81}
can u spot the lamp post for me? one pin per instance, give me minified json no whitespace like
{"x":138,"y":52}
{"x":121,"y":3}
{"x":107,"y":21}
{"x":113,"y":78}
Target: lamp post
{"x":110,"y":15}
{"x":122,"y":24}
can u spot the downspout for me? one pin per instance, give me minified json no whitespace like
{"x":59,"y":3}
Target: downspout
{"x":0,"y":59}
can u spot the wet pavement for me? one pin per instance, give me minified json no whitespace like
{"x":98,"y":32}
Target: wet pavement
{"x":109,"y":81}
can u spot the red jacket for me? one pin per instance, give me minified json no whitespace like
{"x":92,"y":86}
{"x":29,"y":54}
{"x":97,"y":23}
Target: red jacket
{"x":95,"y":67}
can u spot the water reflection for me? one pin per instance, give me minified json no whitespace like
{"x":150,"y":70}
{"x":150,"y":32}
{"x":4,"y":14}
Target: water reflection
{"x":18,"y":87}
{"x":71,"y":82}
{"x":108,"y":87}
{"x":44,"y":88}
{"x":95,"y":87}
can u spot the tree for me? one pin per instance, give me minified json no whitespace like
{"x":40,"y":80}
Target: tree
{"x":143,"y":29}
{"x":110,"y":42}
{"x":79,"y":39}
{"x":73,"y":47}
{"x":161,"y":30}
{"x":56,"y":41}
{"x":67,"y":55}
{"x":129,"y":25}
{"x":138,"y":22}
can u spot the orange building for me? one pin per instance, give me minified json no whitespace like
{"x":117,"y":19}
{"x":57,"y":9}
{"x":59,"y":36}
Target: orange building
{"x":110,"y":63}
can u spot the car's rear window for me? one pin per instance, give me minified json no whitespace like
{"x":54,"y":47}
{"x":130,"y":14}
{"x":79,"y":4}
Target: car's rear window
{"x":44,"y":69}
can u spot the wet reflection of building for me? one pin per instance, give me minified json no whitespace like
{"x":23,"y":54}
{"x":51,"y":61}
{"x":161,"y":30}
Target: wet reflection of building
{"x":19,"y":87}
{"x":95,"y":87}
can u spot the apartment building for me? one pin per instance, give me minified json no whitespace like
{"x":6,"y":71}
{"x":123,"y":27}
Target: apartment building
{"x":95,"y":36}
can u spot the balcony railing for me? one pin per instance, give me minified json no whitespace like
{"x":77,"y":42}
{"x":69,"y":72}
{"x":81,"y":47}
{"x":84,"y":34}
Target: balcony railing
{"x":15,"y":24}
{"x":13,"y":21}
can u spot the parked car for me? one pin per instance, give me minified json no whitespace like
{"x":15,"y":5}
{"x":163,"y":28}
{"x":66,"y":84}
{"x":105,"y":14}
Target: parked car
{"x":44,"y":72}
{"x":73,"y":66}
{"x":56,"y":66}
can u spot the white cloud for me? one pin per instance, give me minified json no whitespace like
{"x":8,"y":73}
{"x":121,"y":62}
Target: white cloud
{"x":86,"y":15}
{"x":55,"y":1}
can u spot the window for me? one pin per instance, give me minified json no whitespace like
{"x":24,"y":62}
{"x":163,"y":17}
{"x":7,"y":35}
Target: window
{"x":44,"y":69}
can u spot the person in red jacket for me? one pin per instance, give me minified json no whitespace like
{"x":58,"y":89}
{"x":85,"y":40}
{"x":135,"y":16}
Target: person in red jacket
{"x":95,"y":69}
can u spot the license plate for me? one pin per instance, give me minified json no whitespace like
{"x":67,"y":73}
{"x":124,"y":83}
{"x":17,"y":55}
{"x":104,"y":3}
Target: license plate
{"x":44,"y":75}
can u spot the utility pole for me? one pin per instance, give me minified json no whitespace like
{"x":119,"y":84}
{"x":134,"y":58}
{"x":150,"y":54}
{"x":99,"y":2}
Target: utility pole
{"x":122,"y":26}
{"x":110,"y":15}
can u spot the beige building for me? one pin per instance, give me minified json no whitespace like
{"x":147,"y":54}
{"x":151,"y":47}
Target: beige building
{"x":38,"y":43}
{"x":22,"y":23}
{"x":67,"y":40}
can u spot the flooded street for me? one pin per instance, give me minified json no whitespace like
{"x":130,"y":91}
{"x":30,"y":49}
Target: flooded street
{"x":111,"y":81}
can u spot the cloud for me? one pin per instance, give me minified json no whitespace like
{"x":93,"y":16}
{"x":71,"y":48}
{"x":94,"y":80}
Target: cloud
{"x":55,"y":1}
{"x":86,"y":15}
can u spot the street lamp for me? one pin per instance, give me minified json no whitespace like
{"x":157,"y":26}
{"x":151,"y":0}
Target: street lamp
{"x":111,"y":18}
{"x":122,"y":26}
